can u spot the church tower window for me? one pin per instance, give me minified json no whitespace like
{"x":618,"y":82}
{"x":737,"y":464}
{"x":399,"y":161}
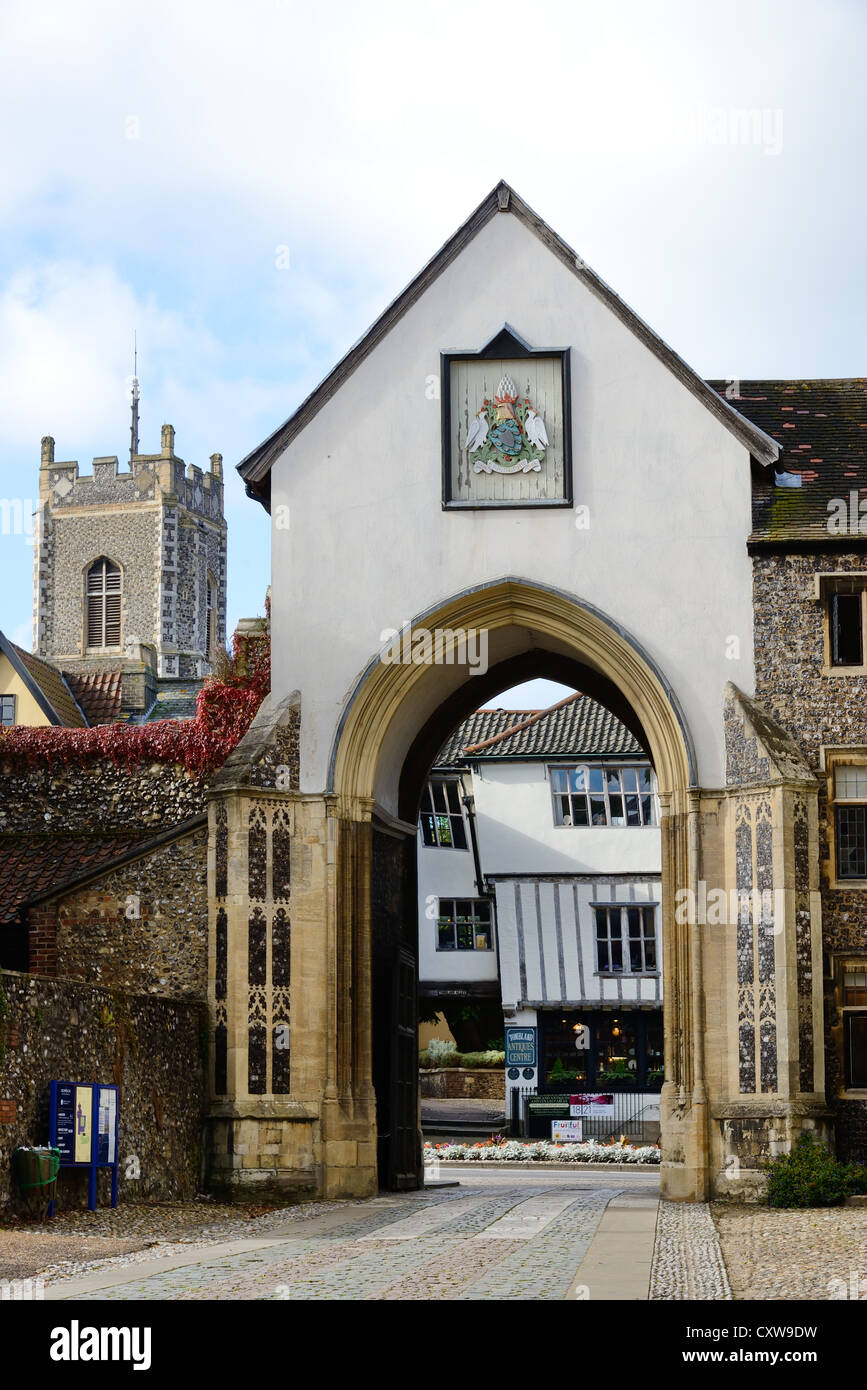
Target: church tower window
{"x":103,"y":604}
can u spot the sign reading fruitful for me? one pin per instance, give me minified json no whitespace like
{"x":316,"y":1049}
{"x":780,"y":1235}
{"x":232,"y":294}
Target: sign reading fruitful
{"x":506,"y":437}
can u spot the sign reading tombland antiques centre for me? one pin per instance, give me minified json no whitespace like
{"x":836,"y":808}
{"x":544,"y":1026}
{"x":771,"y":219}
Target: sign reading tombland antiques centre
{"x":506,"y":434}
{"x":520,"y":1047}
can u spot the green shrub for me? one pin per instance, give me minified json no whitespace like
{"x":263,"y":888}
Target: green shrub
{"x":439,"y":1058}
{"x":810,"y":1176}
{"x":482,"y":1059}
{"x":441,"y":1052}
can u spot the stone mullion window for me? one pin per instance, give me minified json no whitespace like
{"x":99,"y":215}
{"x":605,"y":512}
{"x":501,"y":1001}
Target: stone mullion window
{"x":847,"y":817}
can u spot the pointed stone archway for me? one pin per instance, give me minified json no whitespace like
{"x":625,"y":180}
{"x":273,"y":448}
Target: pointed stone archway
{"x":398,"y":716}
{"x":742,"y":1004}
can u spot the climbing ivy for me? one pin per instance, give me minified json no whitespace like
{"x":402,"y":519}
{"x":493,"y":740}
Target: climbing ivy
{"x":225,"y":708}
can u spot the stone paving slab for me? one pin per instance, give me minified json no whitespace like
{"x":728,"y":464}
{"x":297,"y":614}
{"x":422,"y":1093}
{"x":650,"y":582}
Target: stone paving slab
{"x":508,"y":1238}
{"x":620,"y":1258}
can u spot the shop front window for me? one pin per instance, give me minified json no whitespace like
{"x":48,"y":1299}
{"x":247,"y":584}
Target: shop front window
{"x":596,"y":1049}
{"x":566,"y":1064}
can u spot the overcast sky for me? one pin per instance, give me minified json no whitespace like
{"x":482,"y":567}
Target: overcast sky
{"x":162,"y":162}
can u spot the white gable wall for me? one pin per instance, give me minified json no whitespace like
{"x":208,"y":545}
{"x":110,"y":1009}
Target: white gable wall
{"x":666,"y":484}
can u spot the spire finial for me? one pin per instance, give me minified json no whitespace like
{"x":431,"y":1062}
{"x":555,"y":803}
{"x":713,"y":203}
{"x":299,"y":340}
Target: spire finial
{"x":133,"y":433}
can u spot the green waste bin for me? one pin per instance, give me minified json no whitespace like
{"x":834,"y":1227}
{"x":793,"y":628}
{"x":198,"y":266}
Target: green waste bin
{"x":35,"y":1168}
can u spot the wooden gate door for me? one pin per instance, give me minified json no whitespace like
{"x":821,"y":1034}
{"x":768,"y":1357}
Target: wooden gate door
{"x":405,"y":1158}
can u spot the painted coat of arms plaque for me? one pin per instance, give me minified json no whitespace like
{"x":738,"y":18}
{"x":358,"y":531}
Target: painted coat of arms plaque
{"x":506,"y":426}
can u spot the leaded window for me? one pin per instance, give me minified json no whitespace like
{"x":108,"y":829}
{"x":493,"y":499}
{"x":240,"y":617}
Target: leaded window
{"x":596,"y":794}
{"x":626,"y":940}
{"x":850,"y":812}
{"x":464,"y":924}
{"x":442,"y":817}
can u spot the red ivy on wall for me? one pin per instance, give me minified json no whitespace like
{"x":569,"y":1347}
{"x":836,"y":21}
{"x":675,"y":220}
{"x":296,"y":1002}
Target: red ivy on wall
{"x":225,"y":707}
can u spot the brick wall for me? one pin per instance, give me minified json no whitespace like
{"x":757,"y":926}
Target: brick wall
{"x":42,"y":923}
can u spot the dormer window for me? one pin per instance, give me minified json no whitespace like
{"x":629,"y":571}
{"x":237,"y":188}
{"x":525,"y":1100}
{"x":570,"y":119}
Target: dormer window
{"x":103,"y":595}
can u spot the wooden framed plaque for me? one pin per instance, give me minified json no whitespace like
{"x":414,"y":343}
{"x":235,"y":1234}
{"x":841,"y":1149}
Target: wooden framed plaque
{"x":506,"y":425}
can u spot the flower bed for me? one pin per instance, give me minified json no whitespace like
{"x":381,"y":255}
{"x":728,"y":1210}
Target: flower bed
{"x":542,"y":1151}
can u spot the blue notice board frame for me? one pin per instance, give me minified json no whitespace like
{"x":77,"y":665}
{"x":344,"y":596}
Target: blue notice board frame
{"x":83,"y":1117}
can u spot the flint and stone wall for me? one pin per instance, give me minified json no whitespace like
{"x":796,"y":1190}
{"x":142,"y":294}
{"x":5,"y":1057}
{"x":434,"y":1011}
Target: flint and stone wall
{"x":817,"y":710}
{"x":98,"y":798}
{"x":143,"y":927}
{"x":153,"y":1049}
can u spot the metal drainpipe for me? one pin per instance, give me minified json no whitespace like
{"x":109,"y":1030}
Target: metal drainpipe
{"x":468,"y":801}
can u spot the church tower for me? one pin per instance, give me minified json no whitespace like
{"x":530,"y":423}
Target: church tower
{"x":130,"y":563}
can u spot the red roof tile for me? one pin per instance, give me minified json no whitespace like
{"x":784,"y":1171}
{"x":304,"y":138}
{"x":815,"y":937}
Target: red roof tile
{"x":98,"y":693}
{"x":32,"y":864}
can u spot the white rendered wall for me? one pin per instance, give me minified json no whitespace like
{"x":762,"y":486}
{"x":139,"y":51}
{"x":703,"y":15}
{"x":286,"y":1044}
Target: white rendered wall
{"x":368,"y":544}
{"x":516,"y":830}
{"x":516,"y":835}
{"x":447,"y":873}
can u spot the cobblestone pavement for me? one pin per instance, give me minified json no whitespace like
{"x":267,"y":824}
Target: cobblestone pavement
{"x":687,"y":1260}
{"x":771,"y":1253}
{"x":497,"y":1236}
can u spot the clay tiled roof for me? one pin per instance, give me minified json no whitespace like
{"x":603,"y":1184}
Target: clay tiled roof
{"x":821,"y":427}
{"x":574,"y":727}
{"x":47,"y":685}
{"x":33,"y":864}
{"x":98,"y":693}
